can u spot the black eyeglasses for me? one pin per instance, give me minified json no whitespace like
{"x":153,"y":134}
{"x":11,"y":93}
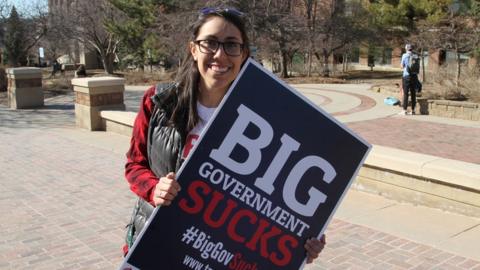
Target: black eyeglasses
{"x":210,"y":46}
{"x":209,"y":10}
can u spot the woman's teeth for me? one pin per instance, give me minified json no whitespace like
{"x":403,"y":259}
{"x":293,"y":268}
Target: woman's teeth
{"x":219,"y":69}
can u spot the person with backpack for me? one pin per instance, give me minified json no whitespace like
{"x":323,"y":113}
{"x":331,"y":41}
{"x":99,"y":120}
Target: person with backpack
{"x":411,"y":68}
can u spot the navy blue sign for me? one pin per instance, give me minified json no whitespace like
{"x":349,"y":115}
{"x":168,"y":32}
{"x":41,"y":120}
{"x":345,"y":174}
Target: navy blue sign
{"x":266,"y":175}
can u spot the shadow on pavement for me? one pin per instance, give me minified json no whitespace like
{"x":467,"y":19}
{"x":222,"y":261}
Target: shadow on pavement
{"x":58,"y":107}
{"x":55,"y":114}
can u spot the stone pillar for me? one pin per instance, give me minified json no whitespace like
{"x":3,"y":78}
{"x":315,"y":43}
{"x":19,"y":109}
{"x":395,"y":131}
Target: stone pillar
{"x":434,"y":60}
{"x":473,"y":62}
{"x":363,"y":60}
{"x":397,"y":57}
{"x":93,"y":95}
{"x":24,"y":88}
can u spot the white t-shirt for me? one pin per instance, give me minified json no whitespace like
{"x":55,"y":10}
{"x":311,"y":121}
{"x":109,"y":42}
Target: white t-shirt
{"x":204,"y":113}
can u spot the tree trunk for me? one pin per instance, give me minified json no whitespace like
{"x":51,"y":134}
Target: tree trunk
{"x":309,"y":72}
{"x":284,"y":63}
{"x":107,"y":60}
{"x":272,"y":62}
{"x":326,"y":71}
{"x":312,"y":11}
{"x":423,"y":66}
{"x":141,"y":58}
{"x":290,"y":66}
{"x":457,"y":77}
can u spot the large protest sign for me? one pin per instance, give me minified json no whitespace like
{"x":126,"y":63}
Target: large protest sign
{"x":267,"y":174}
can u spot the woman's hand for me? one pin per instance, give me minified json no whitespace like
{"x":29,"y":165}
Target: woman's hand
{"x":166,"y":190}
{"x":314,"y":247}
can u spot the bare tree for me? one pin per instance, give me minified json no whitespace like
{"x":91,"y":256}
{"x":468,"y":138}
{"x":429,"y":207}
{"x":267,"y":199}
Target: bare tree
{"x":31,"y":27}
{"x":83,"y":21}
{"x":173,"y":24}
{"x":279,"y":27}
{"x":338,"y":27}
{"x":331,"y":27}
{"x":311,"y":7}
{"x":37,"y":24}
{"x":425,"y":37}
{"x":458,"y":32}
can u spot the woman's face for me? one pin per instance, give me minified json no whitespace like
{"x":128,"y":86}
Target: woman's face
{"x":217,"y":70}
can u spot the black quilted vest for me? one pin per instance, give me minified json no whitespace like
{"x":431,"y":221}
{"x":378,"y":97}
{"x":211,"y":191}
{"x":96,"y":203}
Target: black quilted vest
{"x":164,"y":148}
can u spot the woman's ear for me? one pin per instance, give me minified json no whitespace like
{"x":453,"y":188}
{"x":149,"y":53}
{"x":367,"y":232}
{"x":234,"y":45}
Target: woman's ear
{"x":193,"y":50}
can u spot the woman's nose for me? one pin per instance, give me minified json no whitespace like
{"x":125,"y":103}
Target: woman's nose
{"x":220,"y":52}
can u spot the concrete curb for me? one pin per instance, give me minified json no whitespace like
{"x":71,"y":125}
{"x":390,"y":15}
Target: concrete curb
{"x":120,"y":122}
{"x":401,"y":175}
{"x":450,"y":172}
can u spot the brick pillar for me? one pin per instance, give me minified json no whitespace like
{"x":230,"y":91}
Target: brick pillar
{"x":434,"y":60}
{"x":473,"y":61}
{"x":24,"y":88}
{"x":93,"y":95}
{"x":363,"y":60}
{"x":397,"y":57}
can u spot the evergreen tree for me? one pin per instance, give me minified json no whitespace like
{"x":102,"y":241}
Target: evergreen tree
{"x":15,"y":53}
{"x":134,"y":29}
{"x":399,"y":18}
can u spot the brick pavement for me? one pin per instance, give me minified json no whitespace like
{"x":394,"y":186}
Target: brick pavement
{"x":351,"y":246}
{"x":442,"y":140}
{"x":404,"y":132}
{"x":63,"y":204}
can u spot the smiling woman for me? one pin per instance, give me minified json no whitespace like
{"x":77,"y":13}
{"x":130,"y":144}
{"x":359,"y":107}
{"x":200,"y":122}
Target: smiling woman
{"x":172,"y":117}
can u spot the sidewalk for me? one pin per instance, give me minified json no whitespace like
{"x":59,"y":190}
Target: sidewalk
{"x":364,"y":112}
{"x":371,"y":232}
{"x":64,"y":201}
{"x":414,"y":133}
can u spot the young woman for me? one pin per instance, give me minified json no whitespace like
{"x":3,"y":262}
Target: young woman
{"x":173,"y":116}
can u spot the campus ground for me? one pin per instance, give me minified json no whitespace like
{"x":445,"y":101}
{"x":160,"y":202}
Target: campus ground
{"x":388,"y":81}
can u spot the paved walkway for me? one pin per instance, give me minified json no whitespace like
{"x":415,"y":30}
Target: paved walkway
{"x":64,"y":201}
{"x":364,"y":112}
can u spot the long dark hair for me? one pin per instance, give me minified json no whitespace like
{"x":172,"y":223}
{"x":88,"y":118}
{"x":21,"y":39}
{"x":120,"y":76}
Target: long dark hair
{"x":184,"y":115}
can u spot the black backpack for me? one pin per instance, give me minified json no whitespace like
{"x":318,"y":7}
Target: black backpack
{"x":413,"y":66}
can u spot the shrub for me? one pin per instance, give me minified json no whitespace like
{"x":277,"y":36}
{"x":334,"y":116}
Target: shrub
{"x":445,"y":86}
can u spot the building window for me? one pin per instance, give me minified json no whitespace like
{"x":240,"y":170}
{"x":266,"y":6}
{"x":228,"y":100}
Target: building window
{"x":382,"y":56}
{"x":354,"y":55}
{"x":451,"y":58}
